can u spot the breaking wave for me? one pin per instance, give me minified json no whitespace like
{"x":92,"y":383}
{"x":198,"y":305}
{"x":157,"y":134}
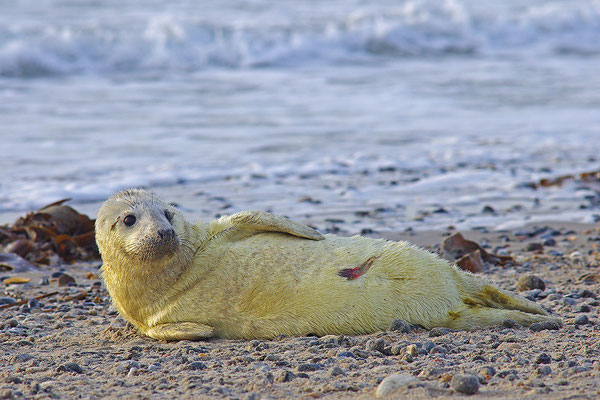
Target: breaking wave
{"x":182,"y":44}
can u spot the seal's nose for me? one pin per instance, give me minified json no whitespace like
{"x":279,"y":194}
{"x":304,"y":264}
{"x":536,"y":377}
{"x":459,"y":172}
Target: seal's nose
{"x":166,"y":234}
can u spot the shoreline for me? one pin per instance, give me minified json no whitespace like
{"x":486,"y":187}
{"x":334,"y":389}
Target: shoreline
{"x":75,"y":344}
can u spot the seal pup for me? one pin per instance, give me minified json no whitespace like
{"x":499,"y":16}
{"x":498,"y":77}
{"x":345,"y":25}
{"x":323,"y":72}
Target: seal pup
{"x":258,"y":275}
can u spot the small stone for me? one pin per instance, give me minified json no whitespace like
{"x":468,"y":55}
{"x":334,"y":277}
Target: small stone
{"x":543,"y":359}
{"x":546,"y":325}
{"x":65,"y":280}
{"x":400,"y":325}
{"x":491,"y":371}
{"x":33,"y":303}
{"x":11,"y":323}
{"x":285,"y":376}
{"x":7,"y":300}
{"x":428,"y":346}
{"x":584,"y":308}
{"x":412,"y":350}
{"x":544,"y":370}
{"x":397,"y":349}
{"x":529,"y":282}
{"x":438,"y":331}
{"x":70,"y":367}
{"x":196,"y":366}
{"x":376,"y":345}
{"x":549,"y":242}
{"x":534,"y":247}
{"x":581,"y":320}
{"x":22,"y":358}
{"x":393,"y":383}
{"x":509,"y":323}
{"x":44,"y":282}
{"x":308,"y":367}
{"x":465,"y":383}
{"x":335,"y":371}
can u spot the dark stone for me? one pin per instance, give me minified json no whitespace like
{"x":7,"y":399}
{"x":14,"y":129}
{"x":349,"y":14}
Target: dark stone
{"x":7,"y":300}
{"x":70,"y":367}
{"x":581,"y":320}
{"x":534,"y":247}
{"x":546,"y":325}
{"x":65,"y":280}
{"x":437,"y":331}
{"x":509,"y":323}
{"x":465,"y":383}
{"x":529,"y":282}
{"x":400,"y":325}
{"x":543,"y":359}
{"x":196,"y":366}
{"x":376,"y":345}
{"x":285,"y":376}
{"x":309,"y":367}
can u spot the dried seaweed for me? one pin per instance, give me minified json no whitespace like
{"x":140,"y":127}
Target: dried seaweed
{"x":469,"y":255}
{"x":55,"y":232}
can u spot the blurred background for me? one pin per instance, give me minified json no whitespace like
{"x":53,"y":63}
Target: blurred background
{"x":371,"y":115}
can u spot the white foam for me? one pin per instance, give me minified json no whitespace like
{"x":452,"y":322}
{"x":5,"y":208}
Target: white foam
{"x":179,"y":42}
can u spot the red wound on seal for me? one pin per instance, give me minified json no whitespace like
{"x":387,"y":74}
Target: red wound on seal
{"x":353,"y":273}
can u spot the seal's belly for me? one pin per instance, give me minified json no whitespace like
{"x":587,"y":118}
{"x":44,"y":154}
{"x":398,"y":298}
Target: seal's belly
{"x":346,"y":285}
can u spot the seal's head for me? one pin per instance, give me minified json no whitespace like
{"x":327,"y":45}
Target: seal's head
{"x":136,"y":226}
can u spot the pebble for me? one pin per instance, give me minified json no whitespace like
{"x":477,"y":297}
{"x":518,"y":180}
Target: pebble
{"x":7,"y":300}
{"x":543,"y":358}
{"x":544,"y":370}
{"x":196,"y":366}
{"x":34,"y":303}
{"x":465,"y":383}
{"x":309,"y":367}
{"x":22,"y":358}
{"x":546,"y":325}
{"x":65,"y":280}
{"x":435,"y":332}
{"x":70,"y":367}
{"x":400,"y":325}
{"x":534,"y":246}
{"x":376,"y":345}
{"x":393,"y":383}
{"x":335,"y":371}
{"x":529,"y":282}
{"x":412,"y":350}
{"x":581,"y":320}
{"x":509,"y":323}
{"x":285,"y":376}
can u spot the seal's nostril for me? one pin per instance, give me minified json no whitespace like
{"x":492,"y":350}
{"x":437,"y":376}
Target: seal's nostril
{"x":166,"y":233}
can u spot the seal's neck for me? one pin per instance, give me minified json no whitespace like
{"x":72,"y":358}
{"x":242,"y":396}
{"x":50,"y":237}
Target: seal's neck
{"x":138,"y":288}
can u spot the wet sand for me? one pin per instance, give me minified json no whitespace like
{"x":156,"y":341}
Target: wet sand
{"x":72,"y":344}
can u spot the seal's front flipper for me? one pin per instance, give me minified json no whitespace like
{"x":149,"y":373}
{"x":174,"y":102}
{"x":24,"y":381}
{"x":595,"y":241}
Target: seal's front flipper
{"x":180,"y":331}
{"x":260,"y":221}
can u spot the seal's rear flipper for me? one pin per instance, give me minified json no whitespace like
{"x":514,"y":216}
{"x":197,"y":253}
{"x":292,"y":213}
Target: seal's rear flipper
{"x":180,"y":331}
{"x":480,"y":317}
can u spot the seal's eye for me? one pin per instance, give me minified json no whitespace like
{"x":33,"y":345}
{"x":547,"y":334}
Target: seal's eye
{"x":169,"y":215}
{"x":129,"y":220}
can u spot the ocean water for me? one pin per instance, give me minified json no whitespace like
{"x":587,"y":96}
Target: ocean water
{"x":382,"y":114}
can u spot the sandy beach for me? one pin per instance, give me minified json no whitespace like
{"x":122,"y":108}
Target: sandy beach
{"x":72,"y":343}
